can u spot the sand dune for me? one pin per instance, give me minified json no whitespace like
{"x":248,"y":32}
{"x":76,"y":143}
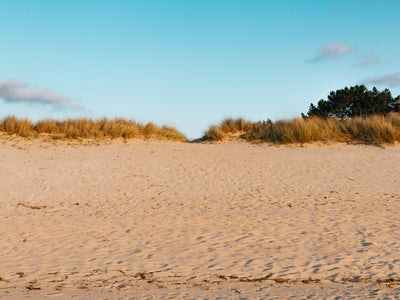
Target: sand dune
{"x":161,"y":219}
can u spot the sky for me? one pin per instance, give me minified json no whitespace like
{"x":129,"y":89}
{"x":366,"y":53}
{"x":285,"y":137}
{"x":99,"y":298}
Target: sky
{"x":191,"y":63}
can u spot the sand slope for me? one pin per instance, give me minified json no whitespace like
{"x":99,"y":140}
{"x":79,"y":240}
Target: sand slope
{"x":164,"y":217}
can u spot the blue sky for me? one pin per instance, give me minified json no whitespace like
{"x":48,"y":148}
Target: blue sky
{"x":188,"y":63}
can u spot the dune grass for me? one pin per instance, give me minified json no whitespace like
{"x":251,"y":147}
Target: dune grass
{"x":370,"y":130}
{"x":88,"y":129}
{"x":376,"y":130}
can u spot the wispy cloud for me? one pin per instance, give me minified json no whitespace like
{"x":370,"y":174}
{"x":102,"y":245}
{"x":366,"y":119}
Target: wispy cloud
{"x":388,"y":80}
{"x":12,"y":91}
{"x":372,"y":61}
{"x":332,"y":51}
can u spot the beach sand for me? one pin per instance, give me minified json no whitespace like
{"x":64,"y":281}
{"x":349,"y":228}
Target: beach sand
{"x":157,"y":219}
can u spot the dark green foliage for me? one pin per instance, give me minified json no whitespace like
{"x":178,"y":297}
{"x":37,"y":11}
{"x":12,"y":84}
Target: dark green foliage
{"x":355,"y":101}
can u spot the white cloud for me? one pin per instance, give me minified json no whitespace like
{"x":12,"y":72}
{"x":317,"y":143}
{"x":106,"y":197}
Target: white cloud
{"x":388,"y":80}
{"x":332,"y":51}
{"x":12,"y":91}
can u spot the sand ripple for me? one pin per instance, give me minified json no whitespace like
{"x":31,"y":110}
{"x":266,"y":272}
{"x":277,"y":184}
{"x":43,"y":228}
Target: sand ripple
{"x":191,"y":213}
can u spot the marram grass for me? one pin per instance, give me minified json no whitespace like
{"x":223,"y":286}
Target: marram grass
{"x":370,"y":130}
{"x":376,"y":130}
{"x":89,"y":129}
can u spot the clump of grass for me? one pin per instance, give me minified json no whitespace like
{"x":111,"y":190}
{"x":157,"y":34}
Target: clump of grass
{"x":21,"y":127}
{"x":119,"y":128}
{"x":48,"y":126}
{"x":215,"y":133}
{"x":89,"y":129}
{"x":150,"y":130}
{"x":297,"y":131}
{"x":172,"y":134}
{"x":375,"y":130}
{"x":370,"y":130}
{"x":227,"y":128}
{"x":235,"y":125}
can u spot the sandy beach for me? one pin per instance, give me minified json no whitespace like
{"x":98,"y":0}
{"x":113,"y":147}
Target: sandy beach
{"x":157,"y":219}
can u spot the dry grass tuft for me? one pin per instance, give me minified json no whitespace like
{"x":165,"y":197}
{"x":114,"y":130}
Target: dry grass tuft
{"x":172,"y":134}
{"x":21,"y":127}
{"x":214,"y":134}
{"x":235,"y":125}
{"x":89,"y":129}
{"x":370,"y":130}
{"x":375,"y":129}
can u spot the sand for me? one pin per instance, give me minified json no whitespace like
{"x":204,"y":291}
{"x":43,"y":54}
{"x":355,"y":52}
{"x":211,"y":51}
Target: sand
{"x":156,"y":219}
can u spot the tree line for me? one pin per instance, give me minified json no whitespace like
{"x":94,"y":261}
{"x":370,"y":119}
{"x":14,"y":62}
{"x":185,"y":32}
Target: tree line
{"x":355,"y":101}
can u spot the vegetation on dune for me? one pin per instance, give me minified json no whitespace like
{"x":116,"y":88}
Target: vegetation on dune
{"x":352,"y":114}
{"x":89,"y":129}
{"x":369,"y":130}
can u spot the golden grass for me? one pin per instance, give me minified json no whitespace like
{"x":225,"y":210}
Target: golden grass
{"x":214,"y":134}
{"x":370,"y":130}
{"x":89,"y":129}
{"x":21,"y":127}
